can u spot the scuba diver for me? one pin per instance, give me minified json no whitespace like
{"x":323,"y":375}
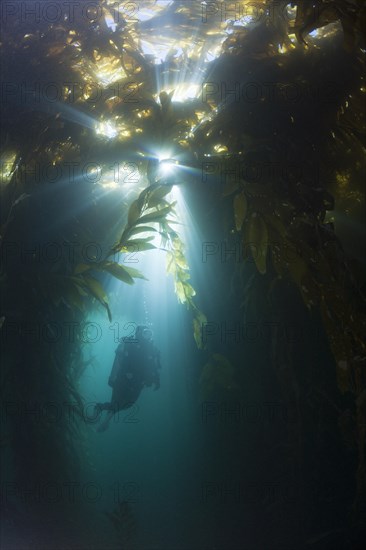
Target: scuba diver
{"x":136,"y":365}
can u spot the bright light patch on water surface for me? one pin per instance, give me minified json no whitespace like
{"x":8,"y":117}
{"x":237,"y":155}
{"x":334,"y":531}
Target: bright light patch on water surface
{"x":158,"y":51}
{"x":106,"y":129}
{"x":106,"y":72}
{"x":148,"y":10}
{"x":186,"y":91}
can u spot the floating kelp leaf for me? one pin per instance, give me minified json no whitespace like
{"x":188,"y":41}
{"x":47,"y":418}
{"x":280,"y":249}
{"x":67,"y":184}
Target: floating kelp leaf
{"x":199,"y":322}
{"x":95,"y":287}
{"x":97,"y":290}
{"x":170,"y":263}
{"x":134,"y":212}
{"x":135,"y":273}
{"x":184,"y":291}
{"x":158,"y":215}
{"x":137,"y":245}
{"x":197,"y":333}
{"x":240,"y":209}
{"x":181,"y":261}
{"x":142,"y":229}
{"x":117,"y":271}
{"x":157,"y":195}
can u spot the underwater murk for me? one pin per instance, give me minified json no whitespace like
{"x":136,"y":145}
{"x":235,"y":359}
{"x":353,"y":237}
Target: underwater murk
{"x":182,"y":237}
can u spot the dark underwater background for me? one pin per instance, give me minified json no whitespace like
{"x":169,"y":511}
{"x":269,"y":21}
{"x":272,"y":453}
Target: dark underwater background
{"x":254,"y":288}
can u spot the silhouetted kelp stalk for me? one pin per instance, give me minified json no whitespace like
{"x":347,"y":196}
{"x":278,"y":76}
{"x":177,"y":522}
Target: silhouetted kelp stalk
{"x":124,"y":523}
{"x":282,"y":221}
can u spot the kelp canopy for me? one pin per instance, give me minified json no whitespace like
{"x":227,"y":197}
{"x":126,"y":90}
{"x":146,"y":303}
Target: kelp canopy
{"x":266,"y":99}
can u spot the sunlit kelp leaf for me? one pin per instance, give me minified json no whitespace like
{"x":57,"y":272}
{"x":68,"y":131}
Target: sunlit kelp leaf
{"x":117,"y":271}
{"x":142,"y":229}
{"x":95,"y":287}
{"x":170,"y":263}
{"x":199,"y":322}
{"x":184,"y":291}
{"x":157,"y":195}
{"x":137,"y":245}
{"x":122,"y":273}
{"x":197,"y":332}
{"x":240,"y":209}
{"x":134,"y":212}
{"x":97,"y":290}
{"x":135,"y":273}
{"x":158,"y":215}
{"x":181,"y":261}
{"x":256,"y":235}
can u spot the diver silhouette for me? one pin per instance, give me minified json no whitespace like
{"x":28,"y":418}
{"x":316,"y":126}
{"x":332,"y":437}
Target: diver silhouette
{"x":136,"y":365}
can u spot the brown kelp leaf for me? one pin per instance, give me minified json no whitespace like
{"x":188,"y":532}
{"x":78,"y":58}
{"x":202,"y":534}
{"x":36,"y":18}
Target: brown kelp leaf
{"x":198,"y":322}
{"x":118,"y":271}
{"x":134,"y":213}
{"x":95,"y":288}
{"x":137,"y":245}
{"x":158,"y":194}
{"x":142,"y":229}
{"x":158,"y":215}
